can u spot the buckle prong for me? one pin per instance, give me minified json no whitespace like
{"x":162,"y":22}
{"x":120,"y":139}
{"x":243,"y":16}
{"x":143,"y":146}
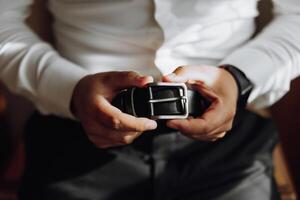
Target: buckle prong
{"x":166,"y":100}
{"x":132,"y":102}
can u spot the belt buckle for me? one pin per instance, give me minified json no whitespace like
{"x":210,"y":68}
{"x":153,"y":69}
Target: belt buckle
{"x":181,"y":98}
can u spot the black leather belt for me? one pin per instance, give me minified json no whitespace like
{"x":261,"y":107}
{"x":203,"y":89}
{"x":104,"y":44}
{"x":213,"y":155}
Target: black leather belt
{"x":161,"y":101}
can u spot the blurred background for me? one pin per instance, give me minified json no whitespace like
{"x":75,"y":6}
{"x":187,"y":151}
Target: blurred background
{"x":14,"y":111}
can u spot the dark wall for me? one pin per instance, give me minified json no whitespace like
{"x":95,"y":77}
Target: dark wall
{"x":286,"y":112}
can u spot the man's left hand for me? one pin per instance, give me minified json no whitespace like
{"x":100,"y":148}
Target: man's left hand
{"x":218,"y":86}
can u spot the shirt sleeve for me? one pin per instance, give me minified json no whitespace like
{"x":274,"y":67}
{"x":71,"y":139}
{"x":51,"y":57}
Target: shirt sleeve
{"x":31,"y":67}
{"x":272,"y":59}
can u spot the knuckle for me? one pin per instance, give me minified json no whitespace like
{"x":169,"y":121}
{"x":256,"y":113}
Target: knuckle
{"x":184,"y":129}
{"x":220,"y":101}
{"x":114,"y":123}
{"x":131,"y":73}
{"x":98,"y":103}
{"x":229,"y":126}
{"x":139,"y":127}
{"x":221,"y":135}
{"x":109,"y":77}
{"x":205,"y":129}
{"x":127,"y":139}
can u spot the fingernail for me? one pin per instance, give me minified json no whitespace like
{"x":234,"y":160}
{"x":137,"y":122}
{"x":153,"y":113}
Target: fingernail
{"x":172,"y":75}
{"x":150,"y":124}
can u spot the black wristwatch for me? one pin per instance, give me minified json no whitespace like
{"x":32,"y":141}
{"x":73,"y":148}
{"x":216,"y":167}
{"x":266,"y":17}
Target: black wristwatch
{"x":244,"y":84}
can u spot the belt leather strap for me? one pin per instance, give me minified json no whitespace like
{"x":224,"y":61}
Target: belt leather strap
{"x":168,"y":101}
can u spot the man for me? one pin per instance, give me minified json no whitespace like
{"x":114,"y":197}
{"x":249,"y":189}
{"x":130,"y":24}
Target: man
{"x":103,"y":47}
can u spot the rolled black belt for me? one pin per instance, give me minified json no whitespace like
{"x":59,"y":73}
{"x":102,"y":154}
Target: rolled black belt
{"x":161,"y":101}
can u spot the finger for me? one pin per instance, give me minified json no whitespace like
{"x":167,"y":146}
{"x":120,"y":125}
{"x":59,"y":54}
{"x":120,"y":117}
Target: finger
{"x":112,"y":117}
{"x":114,"y":137}
{"x":213,"y":138}
{"x":214,"y":117}
{"x":124,"y":80}
{"x":224,"y":128}
{"x":204,"y":125}
{"x":205,"y":137}
{"x":219,"y":132}
{"x":226,"y":115}
{"x":219,"y":135}
{"x":205,"y":91}
{"x":209,"y":121}
{"x":180,"y":74}
{"x":188,"y":126}
{"x":207,"y":74}
{"x":101,"y":132}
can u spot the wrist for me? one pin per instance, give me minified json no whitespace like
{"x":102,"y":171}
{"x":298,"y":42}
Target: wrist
{"x":244,"y":85}
{"x":78,"y":94}
{"x":231,"y":85}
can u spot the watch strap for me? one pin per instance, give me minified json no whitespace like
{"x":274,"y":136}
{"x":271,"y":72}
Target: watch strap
{"x":243,"y":83}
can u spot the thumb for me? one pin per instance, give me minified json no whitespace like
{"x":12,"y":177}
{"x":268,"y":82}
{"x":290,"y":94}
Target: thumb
{"x":180,"y":74}
{"x":123,"y":80}
{"x":206,"y":74}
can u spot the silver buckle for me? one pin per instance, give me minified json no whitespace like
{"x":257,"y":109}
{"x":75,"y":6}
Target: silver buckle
{"x":182,"y":97}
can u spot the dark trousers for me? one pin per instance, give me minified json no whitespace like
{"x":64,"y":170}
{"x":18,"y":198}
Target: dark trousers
{"x":62,"y":164}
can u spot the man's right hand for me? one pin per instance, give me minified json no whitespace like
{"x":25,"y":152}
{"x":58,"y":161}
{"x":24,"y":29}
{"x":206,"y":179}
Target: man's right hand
{"x":105,"y":125}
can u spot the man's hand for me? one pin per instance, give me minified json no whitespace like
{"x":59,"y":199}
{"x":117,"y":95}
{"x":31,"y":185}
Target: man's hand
{"x":218,"y":86}
{"x":105,"y":125}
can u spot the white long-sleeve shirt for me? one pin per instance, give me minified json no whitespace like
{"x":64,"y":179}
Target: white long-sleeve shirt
{"x":148,"y":36}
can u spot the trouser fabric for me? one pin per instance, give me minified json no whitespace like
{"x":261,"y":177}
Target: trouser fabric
{"x":62,"y":164}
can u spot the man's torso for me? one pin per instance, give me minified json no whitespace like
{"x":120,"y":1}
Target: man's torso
{"x":150,"y":37}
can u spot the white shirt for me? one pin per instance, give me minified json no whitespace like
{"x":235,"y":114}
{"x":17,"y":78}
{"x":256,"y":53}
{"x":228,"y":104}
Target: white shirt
{"x":148,"y":36}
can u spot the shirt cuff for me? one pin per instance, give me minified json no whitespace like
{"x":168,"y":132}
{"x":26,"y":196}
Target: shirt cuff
{"x":56,"y":86}
{"x":269,"y":83}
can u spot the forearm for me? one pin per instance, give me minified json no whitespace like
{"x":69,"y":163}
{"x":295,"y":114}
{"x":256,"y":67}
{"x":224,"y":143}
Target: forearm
{"x":31,"y":67}
{"x":272,"y":59}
